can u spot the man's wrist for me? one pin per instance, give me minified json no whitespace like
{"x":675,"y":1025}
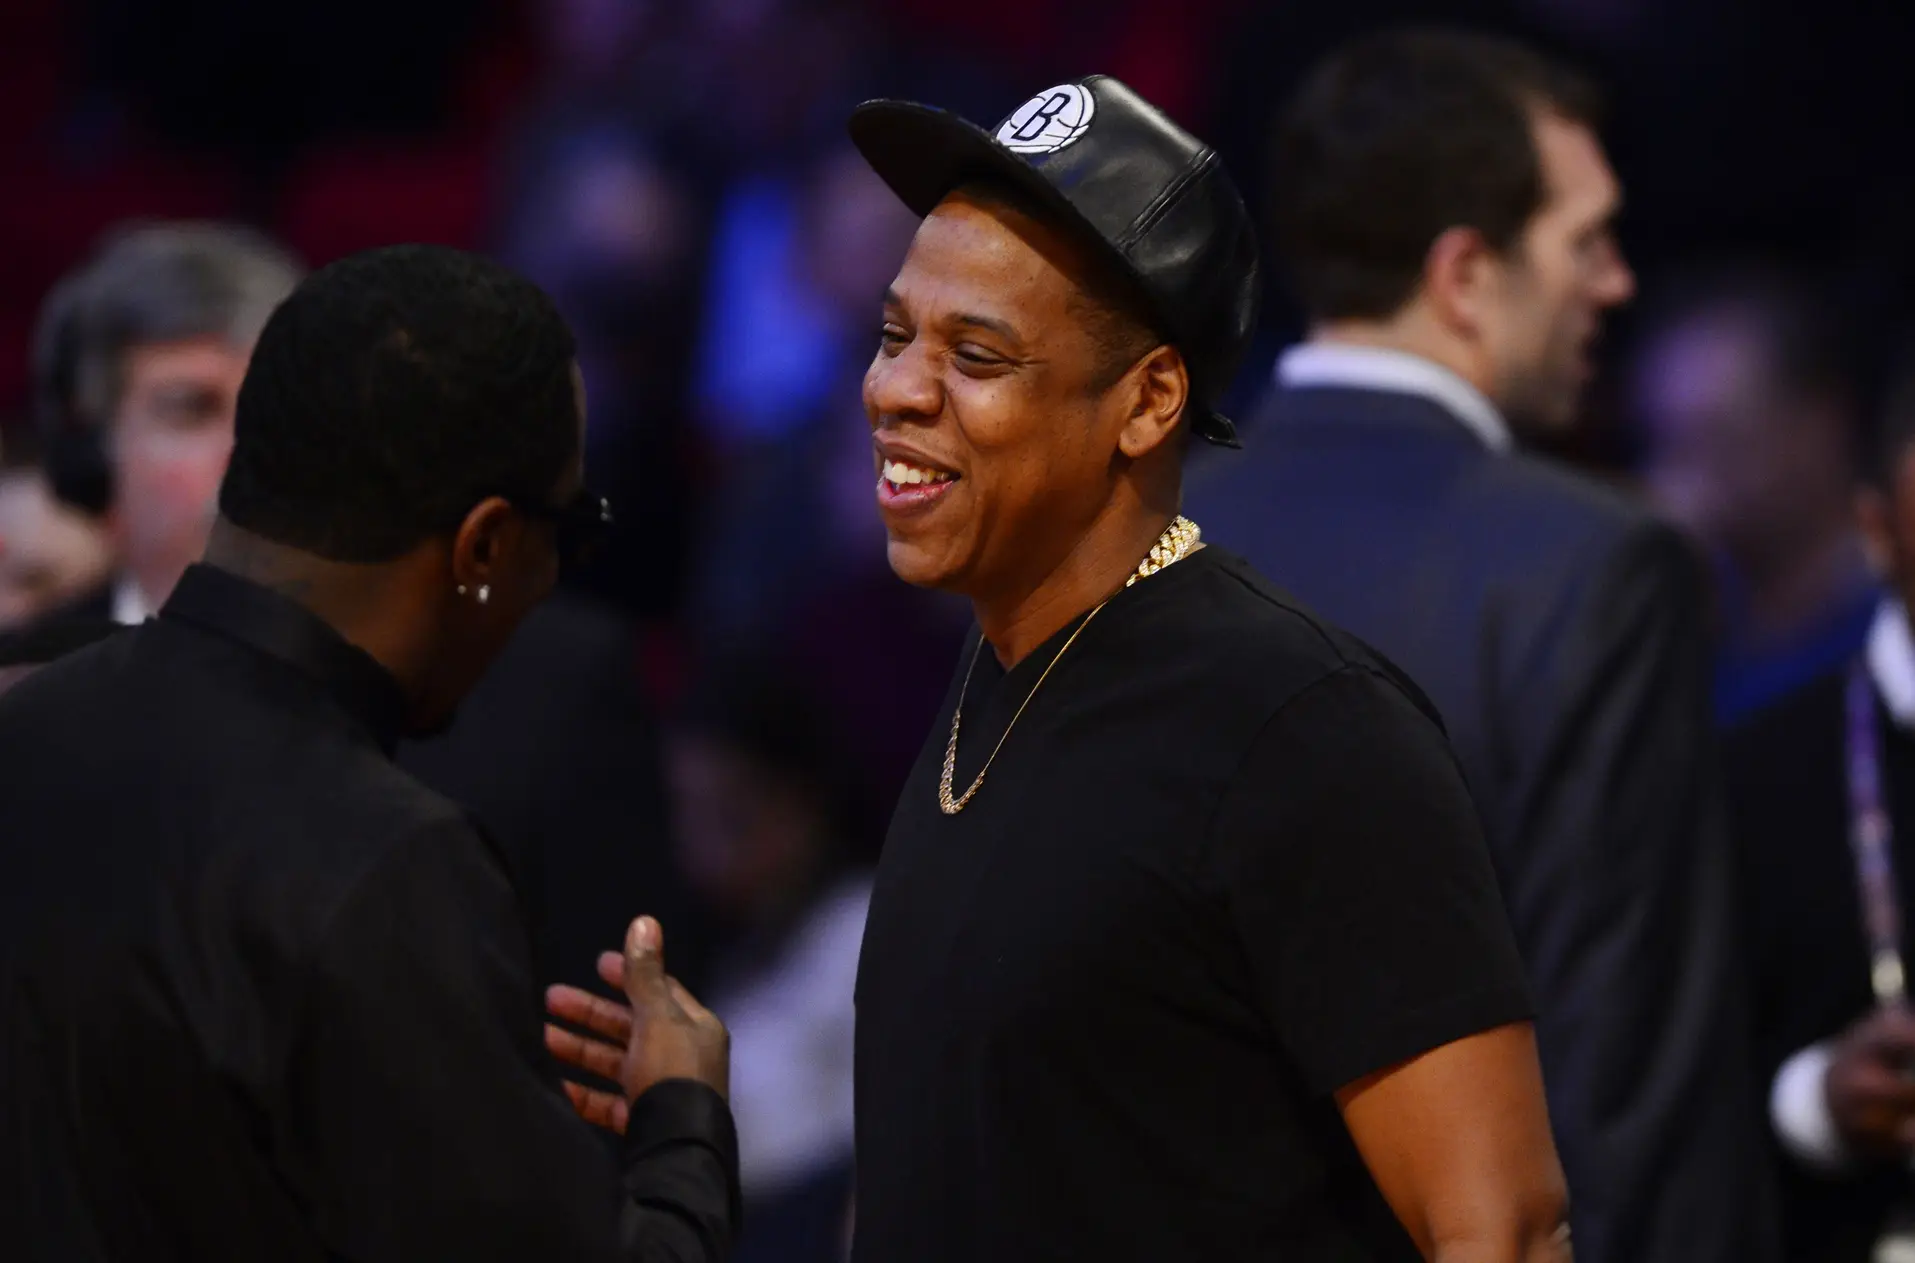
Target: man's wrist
{"x":1799,"y":1111}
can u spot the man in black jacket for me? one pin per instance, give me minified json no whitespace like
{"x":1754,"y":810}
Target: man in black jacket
{"x":139,"y":353}
{"x":1822,"y":800}
{"x":1446,"y":211}
{"x":263,"y":994}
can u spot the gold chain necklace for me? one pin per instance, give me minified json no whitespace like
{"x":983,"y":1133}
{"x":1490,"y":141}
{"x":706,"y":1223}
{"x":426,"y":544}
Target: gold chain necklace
{"x":1178,"y":541}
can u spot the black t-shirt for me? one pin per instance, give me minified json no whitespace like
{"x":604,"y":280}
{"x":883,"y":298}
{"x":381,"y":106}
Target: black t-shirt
{"x":1224,"y":865}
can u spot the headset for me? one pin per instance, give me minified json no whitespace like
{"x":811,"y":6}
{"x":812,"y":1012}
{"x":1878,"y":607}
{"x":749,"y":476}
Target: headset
{"x":74,"y":454}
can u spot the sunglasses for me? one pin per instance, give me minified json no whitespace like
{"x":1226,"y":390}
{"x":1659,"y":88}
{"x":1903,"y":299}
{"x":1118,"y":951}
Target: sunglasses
{"x":581,"y":524}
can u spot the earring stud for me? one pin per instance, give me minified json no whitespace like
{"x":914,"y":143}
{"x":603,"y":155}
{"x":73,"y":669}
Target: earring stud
{"x":485,"y":593}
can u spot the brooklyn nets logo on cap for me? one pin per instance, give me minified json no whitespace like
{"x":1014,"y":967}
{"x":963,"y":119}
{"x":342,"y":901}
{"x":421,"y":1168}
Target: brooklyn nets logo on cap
{"x":1048,"y":121}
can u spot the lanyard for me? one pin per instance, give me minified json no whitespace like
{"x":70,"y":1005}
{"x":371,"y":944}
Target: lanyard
{"x":1871,"y":835}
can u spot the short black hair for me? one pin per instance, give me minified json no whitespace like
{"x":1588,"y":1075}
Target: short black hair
{"x":390,"y":393}
{"x":1112,"y":307}
{"x":1398,"y":138}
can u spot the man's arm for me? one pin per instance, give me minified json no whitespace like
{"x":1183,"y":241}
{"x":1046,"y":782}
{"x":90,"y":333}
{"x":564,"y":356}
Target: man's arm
{"x":1618,"y":879}
{"x":424,"y":1118}
{"x":1458,"y":1141}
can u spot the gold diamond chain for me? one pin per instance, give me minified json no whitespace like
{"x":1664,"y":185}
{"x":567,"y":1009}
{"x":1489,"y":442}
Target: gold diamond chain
{"x":1178,"y":541}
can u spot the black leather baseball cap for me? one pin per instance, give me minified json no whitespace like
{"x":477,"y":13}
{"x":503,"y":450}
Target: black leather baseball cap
{"x":1152,"y":199}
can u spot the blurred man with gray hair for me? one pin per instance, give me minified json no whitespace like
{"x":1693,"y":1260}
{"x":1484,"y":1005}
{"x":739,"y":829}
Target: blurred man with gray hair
{"x":137,"y":361}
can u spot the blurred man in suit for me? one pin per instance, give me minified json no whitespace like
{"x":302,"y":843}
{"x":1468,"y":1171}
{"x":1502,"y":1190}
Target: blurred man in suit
{"x":1822,"y":796}
{"x":1446,"y":211}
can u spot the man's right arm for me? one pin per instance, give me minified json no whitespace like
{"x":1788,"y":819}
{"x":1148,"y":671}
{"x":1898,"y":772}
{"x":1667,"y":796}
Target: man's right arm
{"x":423,"y":1116}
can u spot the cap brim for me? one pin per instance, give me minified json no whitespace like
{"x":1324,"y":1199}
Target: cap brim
{"x":923,"y":153}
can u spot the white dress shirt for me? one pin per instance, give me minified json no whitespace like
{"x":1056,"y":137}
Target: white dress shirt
{"x":129,"y":603}
{"x":1378,"y":368}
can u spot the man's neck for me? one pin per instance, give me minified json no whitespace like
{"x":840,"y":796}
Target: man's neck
{"x":367,"y":604}
{"x":1027,"y":614}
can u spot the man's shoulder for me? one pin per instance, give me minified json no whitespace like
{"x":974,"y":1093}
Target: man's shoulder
{"x":59,"y":631}
{"x":70,"y":679}
{"x":189,"y":728}
{"x":1534,"y":486}
{"x":1265,"y":645}
{"x":1424,"y":470}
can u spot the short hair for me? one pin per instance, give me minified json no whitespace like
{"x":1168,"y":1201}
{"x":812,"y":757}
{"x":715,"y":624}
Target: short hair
{"x":1113,"y":308}
{"x":1399,"y":138}
{"x":147,"y":283}
{"x":393,"y":391}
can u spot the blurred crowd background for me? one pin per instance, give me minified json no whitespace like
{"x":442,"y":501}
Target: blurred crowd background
{"x":676,"y":174}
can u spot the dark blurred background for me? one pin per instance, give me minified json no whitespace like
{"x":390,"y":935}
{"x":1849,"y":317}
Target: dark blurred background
{"x":676,"y":174}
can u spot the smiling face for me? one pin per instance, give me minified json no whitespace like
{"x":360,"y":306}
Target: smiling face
{"x":996,"y":422}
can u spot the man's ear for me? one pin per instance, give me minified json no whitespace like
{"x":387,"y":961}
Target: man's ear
{"x":1160,"y":393}
{"x":481,"y":543}
{"x":1461,"y":279}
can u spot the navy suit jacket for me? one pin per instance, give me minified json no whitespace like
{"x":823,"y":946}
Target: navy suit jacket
{"x":1560,"y":630}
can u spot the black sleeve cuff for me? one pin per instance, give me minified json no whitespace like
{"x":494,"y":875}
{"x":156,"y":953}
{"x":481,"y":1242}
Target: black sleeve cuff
{"x":669,"y":1124}
{"x":678,"y":1110}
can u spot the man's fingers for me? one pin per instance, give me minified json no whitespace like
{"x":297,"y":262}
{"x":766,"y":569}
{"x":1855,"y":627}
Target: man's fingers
{"x":585,"y":1054}
{"x":644,"y":975}
{"x":581,"y":1008}
{"x":611,"y":968}
{"x":601,"y":1109}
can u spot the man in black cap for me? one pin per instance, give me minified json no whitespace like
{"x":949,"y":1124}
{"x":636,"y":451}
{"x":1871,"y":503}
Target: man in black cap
{"x":1185,"y":942}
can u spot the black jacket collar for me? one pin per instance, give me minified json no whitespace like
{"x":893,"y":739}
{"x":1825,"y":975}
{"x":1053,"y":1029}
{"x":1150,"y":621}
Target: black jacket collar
{"x":223,"y":603}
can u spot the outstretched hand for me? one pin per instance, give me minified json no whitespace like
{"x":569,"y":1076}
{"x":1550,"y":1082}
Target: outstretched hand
{"x":660,"y":1033}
